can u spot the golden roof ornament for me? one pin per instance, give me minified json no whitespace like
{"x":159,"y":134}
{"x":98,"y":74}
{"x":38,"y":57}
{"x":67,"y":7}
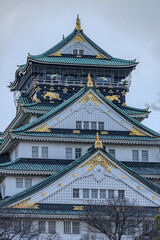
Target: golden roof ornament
{"x":78,"y":24}
{"x":98,"y":143}
{"x":89,"y":83}
{"x":63,"y":37}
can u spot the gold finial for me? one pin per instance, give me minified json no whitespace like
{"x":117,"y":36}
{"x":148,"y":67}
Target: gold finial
{"x":78,"y":24}
{"x":29,"y":55}
{"x":63,"y":37}
{"x":89,"y":83}
{"x":98,"y":143}
{"x":147,"y":109}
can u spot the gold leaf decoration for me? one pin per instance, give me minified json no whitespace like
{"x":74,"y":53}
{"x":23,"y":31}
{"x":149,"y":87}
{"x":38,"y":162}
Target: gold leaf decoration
{"x":136,"y":132}
{"x":57,"y":54}
{"x":90,"y":97}
{"x":99,"y":160}
{"x":78,"y":38}
{"x":42,"y":128}
{"x":114,"y":97}
{"x":99,"y":56}
{"x":78,"y":208}
{"x":51,"y":95}
{"x":25,"y":204}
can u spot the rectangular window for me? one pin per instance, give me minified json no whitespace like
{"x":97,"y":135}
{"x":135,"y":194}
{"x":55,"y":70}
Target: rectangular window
{"x":78,"y":125}
{"x":28,"y":182}
{"x":121,"y":194}
{"x":19,"y":182}
{"x":35,"y":152}
{"x":68,"y":153}
{"x":75,"y":193}
{"x":101,"y":126}
{"x":135,"y":155}
{"x":103,"y":194}
{"x":80,"y":52}
{"x":75,"y":227}
{"x":85,"y":193}
{"x":51,"y":227}
{"x":4,"y":191}
{"x":86,"y":125}
{"x":26,"y":225}
{"x":42,"y":226}
{"x":78,"y":153}
{"x":44,"y":152}
{"x":75,"y":52}
{"x":67,"y":227}
{"x":145,"y":155}
{"x":112,"y":152}
{"x":94,"y":193}
{"x":17,"y":225}
{"x":93,"y":125}
{"x":16,"y":153}
{"x":110,"y":194}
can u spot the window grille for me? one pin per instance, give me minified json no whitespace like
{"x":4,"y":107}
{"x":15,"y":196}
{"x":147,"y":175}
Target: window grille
{"x":68,"y":153}
{"x":78,"y":153}
{"x":67,"y":227}
{"x":26,"y":225}
{"x":75,"y":52}
{"x":112,"y":152}
{"x":94,"y":193}
{"x":135,"y":155}
{"x":101,"y":126}
{"x":75,"y":193}
{"x":145,"y":155}
{"x":86,"y":125}
{"x":42,"y":226}
{"x":28,"y":182}
{"x":102,"y":193}
{"x":16,"y":153}
{"x":78,"y":125}
{"x":75,"y":227}
{"x":17,"y":225}
{"x":4,"y":191}
{"x":85,"y":193}
{"x":35,"y":152}
{"x":121,"y":194}
{"x":19,"y":182}
{"x":80,"y":52}
{"x":110,"y":194}
{"x":51,"y":227}
{"x":44,"y":152}
{"x":93,"y":125}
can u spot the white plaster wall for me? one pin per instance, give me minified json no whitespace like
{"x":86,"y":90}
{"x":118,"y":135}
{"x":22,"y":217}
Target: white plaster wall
{"x":10,"y":183}
{"x":58,"y":150}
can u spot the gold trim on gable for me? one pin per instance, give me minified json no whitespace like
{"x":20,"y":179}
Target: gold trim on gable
{"x":57,"y":54}
{"x":136,"y":132}
{"x":90,"y":97}
{"x":25,"y":204}
{"x":42,"y":128}
{"x":99,"y":56}
{"x":99,"y":159}
{"x":78,"y":38}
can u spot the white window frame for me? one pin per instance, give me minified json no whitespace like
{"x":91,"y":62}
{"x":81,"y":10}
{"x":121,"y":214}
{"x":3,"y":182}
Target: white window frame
{"x":42,"y":226}
{"x":20,"y":182}
{"x":44,"y":152}
{"x":78,"y":152}
{"x":135,"y":155}
{"x":68,"y":154}
{"x":33,"y":152}
{"x":51,"y":227}
{"x":144,"y":156}
{"x":27,"y":183}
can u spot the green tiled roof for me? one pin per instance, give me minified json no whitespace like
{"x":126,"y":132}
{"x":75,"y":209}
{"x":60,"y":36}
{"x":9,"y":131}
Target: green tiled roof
{"x":67,"y":169}
{"x":144,"y":168}
{"x":76,"y":96}
{"x":34,"y":165}
{"x":132,"y":110}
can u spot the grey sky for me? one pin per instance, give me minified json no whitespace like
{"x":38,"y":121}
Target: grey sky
{"x":125,"y":29}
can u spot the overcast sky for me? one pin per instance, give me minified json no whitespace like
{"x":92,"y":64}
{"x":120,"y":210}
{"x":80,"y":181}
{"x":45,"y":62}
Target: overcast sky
{"x":125,"y":29}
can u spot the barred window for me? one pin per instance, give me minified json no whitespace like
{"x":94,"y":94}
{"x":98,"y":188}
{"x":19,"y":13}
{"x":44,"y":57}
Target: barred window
{"x":4,"y":191}
{"x":35,"y":152}
{"x":102,"y":193}
{"x":19,"y":182}
{"x":80,"y":52}
{"x":68,"y":153}
{"x":78,"y":153}
{"x":28,"y":182}
{"x":135,"y":155}
{"x":94,"y":193}
{"x":67,"y":227}
{"x":145,"y":155}
{"x":51,"y":227}
{"x":78,"y":125}
{"x":93,"y":125}
{"x":42,"y":226}
{"x":85,"y":193}
{"x":121,"y":194}
{"x":75,"y":227}
{"x":101,"y":126}
{"x":44,"y":152}
{"x":86,"y":125}
{"x":17,"y":225}
{"x":75,"y":193}
{"x":110,"y":194}
{"x":16,"y":153}
{"x":75,"y":51}
{"x":26,"y":225}
{"x":112,"y":152}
